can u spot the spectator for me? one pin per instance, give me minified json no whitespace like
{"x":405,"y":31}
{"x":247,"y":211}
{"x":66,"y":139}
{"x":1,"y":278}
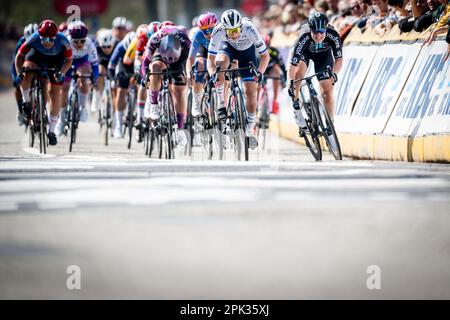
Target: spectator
{"x":403,"y":11}
{"x":431,"y":15}
{"x":290,"y":19}
{"x":441,"y":25}
{"x":384,"y":20}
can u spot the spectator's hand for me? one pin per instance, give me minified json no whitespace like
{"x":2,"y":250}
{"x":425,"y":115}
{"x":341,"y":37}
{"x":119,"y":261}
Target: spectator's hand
{"x":447,"y":55}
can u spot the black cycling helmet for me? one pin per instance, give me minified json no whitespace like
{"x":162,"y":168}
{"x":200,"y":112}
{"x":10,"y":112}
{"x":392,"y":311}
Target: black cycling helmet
{"x":318,"y":21}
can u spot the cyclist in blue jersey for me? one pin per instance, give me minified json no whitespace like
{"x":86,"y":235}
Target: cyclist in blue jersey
{"x":51,"y":49}
{"x":122,"y":73}
{"x":198,"y":54}
{"x":28,"y":31}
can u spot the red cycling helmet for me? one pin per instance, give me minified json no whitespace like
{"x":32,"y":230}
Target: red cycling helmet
{"x":48,"y":28}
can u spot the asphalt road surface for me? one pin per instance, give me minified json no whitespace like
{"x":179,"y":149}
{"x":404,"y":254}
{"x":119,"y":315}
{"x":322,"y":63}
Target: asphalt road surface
{"x":278,"y":227}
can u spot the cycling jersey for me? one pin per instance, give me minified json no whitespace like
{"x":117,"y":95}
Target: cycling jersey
{"x":85,"y":56}
{"x":60,"y":46}
{"x":117,"y":55}
{"x":249,"y":37}
{"x":130,"y":54}
{"x":323,"y":54}
{"x":305,"y":45}
{"x":276,"y":59}
{"x":199,"y":45}
{"x":53,"y":57}
{"x":155,"y":40}
{"x":13,"y":65}
{"x":102,"y":57}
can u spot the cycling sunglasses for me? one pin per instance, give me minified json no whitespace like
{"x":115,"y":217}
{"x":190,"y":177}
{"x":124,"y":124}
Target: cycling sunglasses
{"x":207,"y":31}
{"x":79,"y":40}
{"x":322,"y":31}
{"x":233,"y":31}
{"x":48,"y":39}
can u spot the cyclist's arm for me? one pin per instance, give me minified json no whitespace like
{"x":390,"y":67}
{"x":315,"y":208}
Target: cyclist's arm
{"x":265,"y":58}
{"x":217,"y":37}
{"x":337,"y":65}
{"x":130,"y":53}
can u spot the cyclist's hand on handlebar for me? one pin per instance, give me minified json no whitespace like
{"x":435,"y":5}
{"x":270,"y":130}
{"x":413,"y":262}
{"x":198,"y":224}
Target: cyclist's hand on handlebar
{"x":259,"y":76}
{"x":335,"y":77}
{"x":291,"y":90}
{"x":59,"y":77}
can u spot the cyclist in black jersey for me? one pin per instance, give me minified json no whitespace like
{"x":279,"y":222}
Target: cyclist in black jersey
{"x":323,"y":46}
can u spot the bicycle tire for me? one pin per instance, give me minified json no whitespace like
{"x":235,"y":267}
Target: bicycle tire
{"x":242,"y":121}
{"x":263,"y":119}
{"x":332,"y":141}
{"x":190,"y":123}
{"x":171,"y":130}
{"x":314,"y":145}
{"x":130,"y":120}
{"x":42,"y":123}
{"x":73,"y":119}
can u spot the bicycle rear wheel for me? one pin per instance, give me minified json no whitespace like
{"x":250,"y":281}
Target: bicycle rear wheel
{"x":130,"y":116}
{"x":42,"y":123}
{"x":190,"y":124}
{"x":328,"y":131}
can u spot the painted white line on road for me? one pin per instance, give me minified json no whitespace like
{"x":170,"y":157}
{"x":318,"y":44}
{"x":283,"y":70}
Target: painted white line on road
{"x":36,"y":152}
{"x":8,"y":206}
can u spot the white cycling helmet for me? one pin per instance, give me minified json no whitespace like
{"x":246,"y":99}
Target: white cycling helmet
{"x":231,"y":19}
{"x":29,"y":30}
{"x":128,"y":39}
{"x":105,"y":38}
{"x":119,"y":22}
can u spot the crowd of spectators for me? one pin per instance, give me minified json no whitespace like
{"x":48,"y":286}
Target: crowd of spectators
{"x":289,"y":16}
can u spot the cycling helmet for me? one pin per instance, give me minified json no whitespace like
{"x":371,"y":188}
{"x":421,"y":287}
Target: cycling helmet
{"x":129,"y":26}
{"x":78,"y":30}
{"x":141,"y":30}
{"x":152,"y":28}
{"x":119,"y":22}
{"x":231,"y":19}
{"x":30,"y":29}
{"x":167,"y":23}
{"x":128,"y":39}
{"x":206,"y":21}
{"x":318,"y":22}
{"x":170,"y":49}
{"x":106,"y":38}
{"x":48,"y":28}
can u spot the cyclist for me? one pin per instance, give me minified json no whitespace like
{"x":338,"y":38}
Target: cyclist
{"x":276,"y":69}
{"x":27,"y":32}
{"x":168,"y":49}
{"x":105,"y":45}
{"x":85,"y":62}
{"x":51,"y":49}
{"x":123,"y":73}
{"x":198,"y":53}
{"x":236,"y":38}
{"x":119,"y":28}
{"x":142,"y":40}
{"x":323,"y":46}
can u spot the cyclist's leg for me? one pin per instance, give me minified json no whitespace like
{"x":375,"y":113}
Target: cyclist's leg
{"x":326,"y":84}
{"x":294,"y":73}
{"x":275,"y":72}
{"x":197,"y":87}
{"x":223,"y":59}
{"x":84,"y":86}
{"x":123,"y":79}
{"x":151,"y":106}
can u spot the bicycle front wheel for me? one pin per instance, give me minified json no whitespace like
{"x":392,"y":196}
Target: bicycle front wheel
{"x":311,"y":134}
{"x":328,"y":131}
{"x":241,"y":140}
{"x":42,"y":123}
